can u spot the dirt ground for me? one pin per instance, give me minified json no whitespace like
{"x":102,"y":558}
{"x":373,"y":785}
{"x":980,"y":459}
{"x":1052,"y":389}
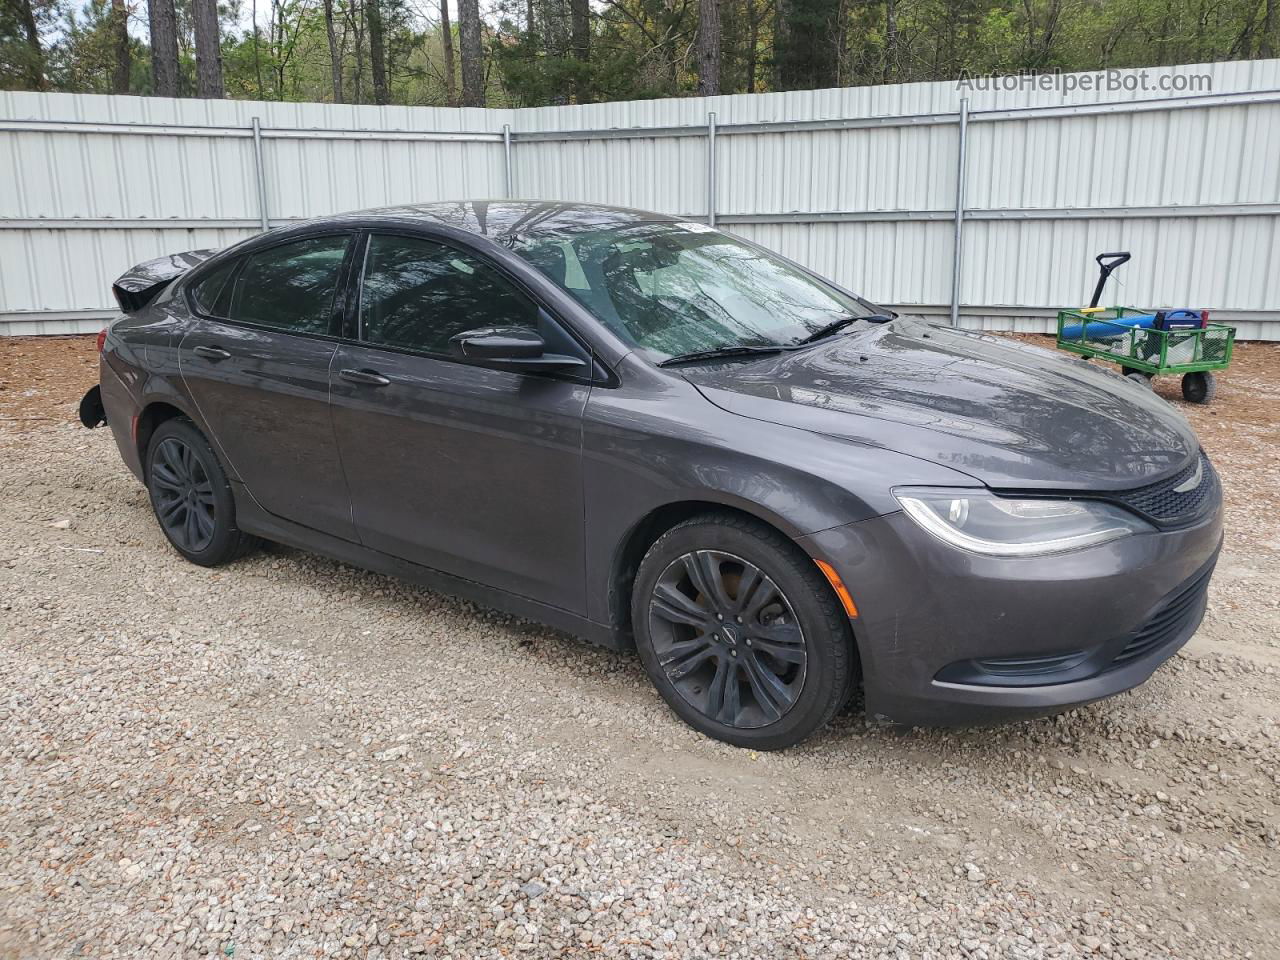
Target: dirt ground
{"x":291,"y":758}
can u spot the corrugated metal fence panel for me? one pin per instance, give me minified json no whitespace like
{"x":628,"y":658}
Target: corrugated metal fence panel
{"x":1017,"y":266}
{"x":1227,"y":263}
{"x":664,"y":174}
{"x":889,"y":263}
{"x":1186,"y":158}
{"x":63,"y":271}
{"x":307,"y":178}
{"x":75,"y":174}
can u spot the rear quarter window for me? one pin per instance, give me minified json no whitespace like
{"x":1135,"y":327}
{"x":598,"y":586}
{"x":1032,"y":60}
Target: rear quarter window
{"x":211,"y":294}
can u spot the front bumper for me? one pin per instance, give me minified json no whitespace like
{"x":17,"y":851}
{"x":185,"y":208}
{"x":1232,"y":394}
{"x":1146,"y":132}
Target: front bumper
{"x":1013,"y":637}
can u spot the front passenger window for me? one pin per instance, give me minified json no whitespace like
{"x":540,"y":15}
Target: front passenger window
{"x":417,"y":294}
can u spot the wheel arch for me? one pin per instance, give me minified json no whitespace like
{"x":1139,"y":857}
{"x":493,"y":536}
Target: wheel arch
{"x":642,"y":534}
{"x":153,"y":413}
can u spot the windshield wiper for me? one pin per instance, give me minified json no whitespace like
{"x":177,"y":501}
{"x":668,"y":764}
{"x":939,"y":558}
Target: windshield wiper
{"x":731,"y":350}
{"x":839,"y":323}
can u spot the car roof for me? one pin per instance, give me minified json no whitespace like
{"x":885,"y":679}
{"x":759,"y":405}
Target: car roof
{"x":498,"y":218}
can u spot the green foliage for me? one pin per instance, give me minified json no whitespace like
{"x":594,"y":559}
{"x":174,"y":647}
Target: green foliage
{"x":638,"y":48}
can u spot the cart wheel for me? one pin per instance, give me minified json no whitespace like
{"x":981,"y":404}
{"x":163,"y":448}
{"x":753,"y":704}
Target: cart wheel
{"x":1199,"y":387}
{"x":1140,"y":378}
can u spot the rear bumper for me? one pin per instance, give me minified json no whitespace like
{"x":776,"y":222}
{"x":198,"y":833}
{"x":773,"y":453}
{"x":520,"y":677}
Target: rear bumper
{"x":950,"y":638}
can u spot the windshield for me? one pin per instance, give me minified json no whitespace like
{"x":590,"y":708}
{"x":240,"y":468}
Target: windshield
{"x":672,"y":289}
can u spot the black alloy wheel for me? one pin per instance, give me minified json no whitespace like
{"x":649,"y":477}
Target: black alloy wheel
{"x":728,"y":639}
{"x":191,"y":495}
{"x":741,"y":633}
{"x":183,"y":495}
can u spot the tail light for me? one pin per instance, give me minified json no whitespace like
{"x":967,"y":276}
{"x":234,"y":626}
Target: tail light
{"x":102,"y":338}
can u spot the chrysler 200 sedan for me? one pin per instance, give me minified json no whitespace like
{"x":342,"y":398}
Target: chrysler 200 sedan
{"x":652,"y":434}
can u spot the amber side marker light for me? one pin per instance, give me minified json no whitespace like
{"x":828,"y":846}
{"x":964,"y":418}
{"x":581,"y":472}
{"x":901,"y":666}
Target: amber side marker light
{"x":838,"y":586}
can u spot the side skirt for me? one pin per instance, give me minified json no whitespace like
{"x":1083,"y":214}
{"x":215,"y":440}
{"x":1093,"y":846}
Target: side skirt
{"x":253,"y":519}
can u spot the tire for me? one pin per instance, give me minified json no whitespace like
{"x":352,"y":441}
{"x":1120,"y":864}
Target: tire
{"x":1200,"y":387}
{"x":191,"y":497}
{"x":785,"y":649}
{"x":1140,"y":378}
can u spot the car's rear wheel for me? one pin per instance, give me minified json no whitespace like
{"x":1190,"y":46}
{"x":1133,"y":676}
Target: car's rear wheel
{"x":740,"y":633}
{"x":191,"y":496}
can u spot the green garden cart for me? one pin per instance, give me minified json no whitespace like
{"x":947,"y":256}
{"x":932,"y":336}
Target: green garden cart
{"x":1149,"y":343}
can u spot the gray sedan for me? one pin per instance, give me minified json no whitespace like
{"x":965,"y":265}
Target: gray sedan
{"x":655,"y":435}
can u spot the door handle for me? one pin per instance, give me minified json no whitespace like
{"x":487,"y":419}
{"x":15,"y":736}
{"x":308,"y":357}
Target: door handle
{"x":212,"y":353}
{"x":369,"y":378}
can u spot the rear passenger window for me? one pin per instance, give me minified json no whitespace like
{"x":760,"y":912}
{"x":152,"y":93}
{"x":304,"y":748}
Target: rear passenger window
{"x":290,"y":287}
{"x":418,"y":294}
{"x":212,"y":295}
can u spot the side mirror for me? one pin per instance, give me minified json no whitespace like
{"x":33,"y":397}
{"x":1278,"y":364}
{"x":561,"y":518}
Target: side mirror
{"x":510,"y":348}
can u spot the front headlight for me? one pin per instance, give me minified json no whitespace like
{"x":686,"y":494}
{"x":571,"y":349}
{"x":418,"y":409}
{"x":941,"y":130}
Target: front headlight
{"x":1002,"y":527}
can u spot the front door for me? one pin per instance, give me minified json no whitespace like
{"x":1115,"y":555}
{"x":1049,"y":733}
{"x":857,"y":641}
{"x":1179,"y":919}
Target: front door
{"x":468,"y":470}
{"x":256,"y":362}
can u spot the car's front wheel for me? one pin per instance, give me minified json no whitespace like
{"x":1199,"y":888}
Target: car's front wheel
{"x":740,"y":633}
{"x":191,"y":496}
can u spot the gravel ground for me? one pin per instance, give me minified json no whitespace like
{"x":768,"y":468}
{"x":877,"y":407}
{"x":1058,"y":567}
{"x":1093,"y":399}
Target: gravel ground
{"x":292,"y":758}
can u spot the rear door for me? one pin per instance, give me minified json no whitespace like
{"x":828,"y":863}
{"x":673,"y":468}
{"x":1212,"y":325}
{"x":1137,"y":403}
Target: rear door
{"x":256,"y":362}
{"x":469,"y":470}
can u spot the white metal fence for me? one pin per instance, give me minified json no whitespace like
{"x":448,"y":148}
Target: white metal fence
{"x":861,"y":183}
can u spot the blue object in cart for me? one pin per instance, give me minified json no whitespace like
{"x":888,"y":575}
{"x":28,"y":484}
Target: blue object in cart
{"x":1110,"y":329}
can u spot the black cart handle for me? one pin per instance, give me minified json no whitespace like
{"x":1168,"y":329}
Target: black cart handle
{"x":1107,"y":262}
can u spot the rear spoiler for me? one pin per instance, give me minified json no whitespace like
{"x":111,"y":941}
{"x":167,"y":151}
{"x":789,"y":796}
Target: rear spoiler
{"x":143,"y":283}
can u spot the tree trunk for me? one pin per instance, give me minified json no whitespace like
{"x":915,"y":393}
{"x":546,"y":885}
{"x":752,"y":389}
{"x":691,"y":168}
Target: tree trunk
{"x":580,"y":15}
{"x":208,"y":49}
{"x":708,"y":48}
{"x":377,"y":51}
{"x":890,"y":40}
{"x":472,"y":53}
{"x":355,"y":17}
{"x":1267,"y":47}
{"x":753,"y":41}
{"x":33,"y":65}
{"x":335,"y":55}
{"x":120,"y":40}
{"x":164,"y":47}
{"x":450,"y":72}
{"x":278,"y":36}
{"x":580,"y":42}
{"x":257,"y":57}
{"x":781,"y":40}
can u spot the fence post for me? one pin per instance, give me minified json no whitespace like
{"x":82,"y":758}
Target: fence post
{"x":711,"y":169}
{"x":260,"y":175}
{"x":958,"y":245}
{"x":506,"y":153}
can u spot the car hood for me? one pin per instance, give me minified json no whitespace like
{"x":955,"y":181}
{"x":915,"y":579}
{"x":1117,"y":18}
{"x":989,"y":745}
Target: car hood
{"x":1008,"y":414}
